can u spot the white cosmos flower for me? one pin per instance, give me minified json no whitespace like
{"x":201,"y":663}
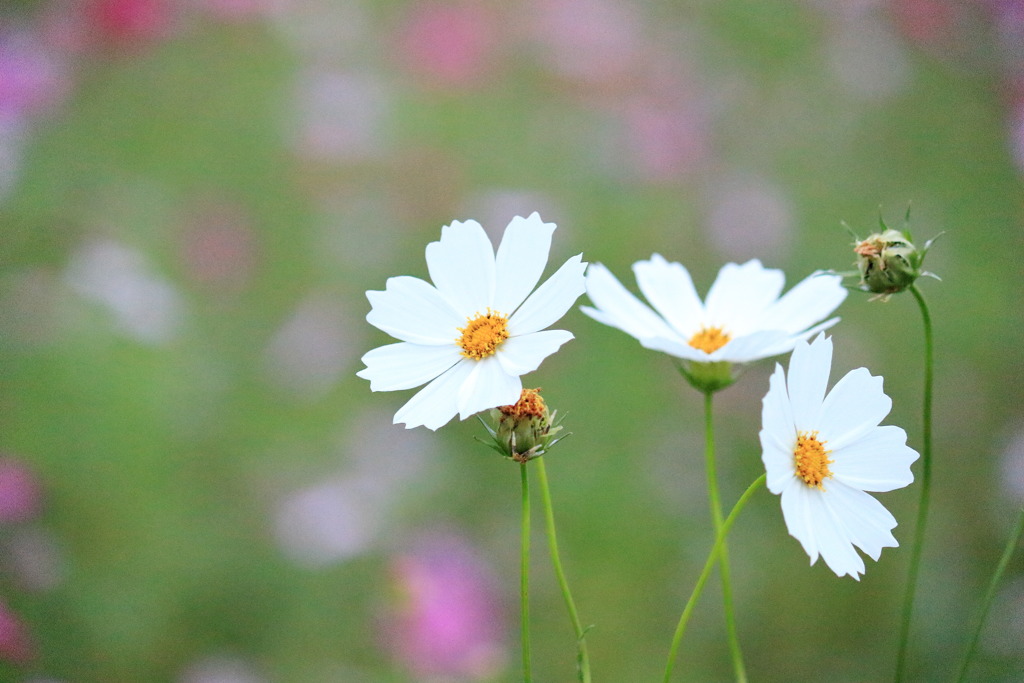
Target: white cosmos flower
{"x":742,"y":320}
{"x":473,"y":332}
{"x":823,"y":452}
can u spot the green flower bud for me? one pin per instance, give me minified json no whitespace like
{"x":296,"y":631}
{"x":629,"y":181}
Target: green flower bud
{"x":524,"y":430}
{"x":888,"y":262}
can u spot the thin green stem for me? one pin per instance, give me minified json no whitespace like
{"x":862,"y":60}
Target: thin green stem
{"x":926,"y":482}
{"x":524,"y":577}
{"x":723,"y":553}
{"x":1011,"y":546}
{"x":582,"y":657}
{"x":713,"y":556}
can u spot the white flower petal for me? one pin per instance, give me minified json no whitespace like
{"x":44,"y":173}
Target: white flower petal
{"x":855,"y":405}
{"x":404,"y":365}
{"x":778,"y":435}
{"x":436,"y":404}
{"x":600,"y":316}
{"x":617,"y":307}
{"x":740,"y":294}
{"x":675,"y":346}
{"x":749,"y":347}
{"x":520,"y":261}
{"x":834,"y":542}
{"x":790,"y":341}
{"x":669,"y":288}
{"x":778,"y":465}
{"x":867,"y":523}
{"x":551,"y":300}
{"x":809,"y":367}
{"x":878,"y":461}
{"x":412,"y":310}
{"x":461,"y":265}
{"x":799,"y":510}
{"x":809,"y":301}
{"x":777,"y":412}
{"x":487,"y":386}
{"x":523,"y":354}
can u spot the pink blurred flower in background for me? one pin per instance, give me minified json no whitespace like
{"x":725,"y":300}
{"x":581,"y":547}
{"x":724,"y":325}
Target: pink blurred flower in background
{"x":235,"y":10}
{"x":32,"y":78}
{"x":1016,"y":133}
{"x":15,"y":644}
{"x":310,"y":349}
{"x":447,"y":621}
{"x":219,"y":248}
{"x":591,"y":41}
{"x":449,"y":44}
{"x":131,"y":21}
{"x":748,"y":216}
{"x":342,"y":116}
{"x":665,"y":139}
{"x":926,"y":21}
{"x":20,"y":492}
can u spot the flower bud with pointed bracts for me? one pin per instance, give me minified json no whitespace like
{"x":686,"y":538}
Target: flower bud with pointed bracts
{"x":888,"y":262}
{"x":524,"y":430}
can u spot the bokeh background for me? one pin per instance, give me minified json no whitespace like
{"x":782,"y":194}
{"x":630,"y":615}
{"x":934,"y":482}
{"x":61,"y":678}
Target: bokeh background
{"x":195,"y":195}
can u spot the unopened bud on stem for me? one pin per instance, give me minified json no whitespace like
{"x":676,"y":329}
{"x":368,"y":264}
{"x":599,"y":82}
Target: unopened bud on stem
{"x":524,"y":430}
{"x":888,"y":262}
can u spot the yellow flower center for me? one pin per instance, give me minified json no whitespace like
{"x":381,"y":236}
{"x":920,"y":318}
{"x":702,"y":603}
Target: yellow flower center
{"x":812,"y":459}
{"x":710,"y":339}
{"x":530,"y":404}
{"x":483,"y":334}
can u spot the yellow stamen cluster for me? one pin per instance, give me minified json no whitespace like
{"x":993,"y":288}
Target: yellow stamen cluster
{"x":710,"y":339}
{"x":530,"y":404}
{"x":812,"y":459}
{"x":483,"y":334}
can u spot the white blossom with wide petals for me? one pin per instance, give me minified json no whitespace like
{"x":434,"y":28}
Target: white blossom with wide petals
{"x":831,"y":518}
{"x":470,"y":279}
{"x":743,"y":305}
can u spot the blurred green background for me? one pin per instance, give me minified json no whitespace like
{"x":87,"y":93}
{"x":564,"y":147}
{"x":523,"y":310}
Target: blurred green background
{"x":195,"y":195}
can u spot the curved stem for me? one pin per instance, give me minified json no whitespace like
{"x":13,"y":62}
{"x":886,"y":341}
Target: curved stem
{"x":582,"y":657}
{"x":723,"y":552}
{"x":986,"y":602}
{"x":926,"y":479}
{"x":524,"y":577}
{"x":698,"y":588}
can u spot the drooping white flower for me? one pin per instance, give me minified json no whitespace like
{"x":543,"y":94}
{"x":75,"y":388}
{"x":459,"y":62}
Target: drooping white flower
{"x":823,"y":452}
{"x":472,"y":333}
{"x":743,"y":318}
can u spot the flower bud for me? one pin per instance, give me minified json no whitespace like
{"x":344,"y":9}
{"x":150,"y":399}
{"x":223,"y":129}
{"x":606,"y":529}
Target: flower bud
{"x":888,"y":262}
{"x":524,"y":430}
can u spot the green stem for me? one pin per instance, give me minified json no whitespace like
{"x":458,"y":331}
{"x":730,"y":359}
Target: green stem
{"x":926,"y":481}
{"x":1011,"y":546}
{"x":698,"y":588}
{"x":582,"y":657}
{"x":524,"y":577}
{"x":723,"y":553}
